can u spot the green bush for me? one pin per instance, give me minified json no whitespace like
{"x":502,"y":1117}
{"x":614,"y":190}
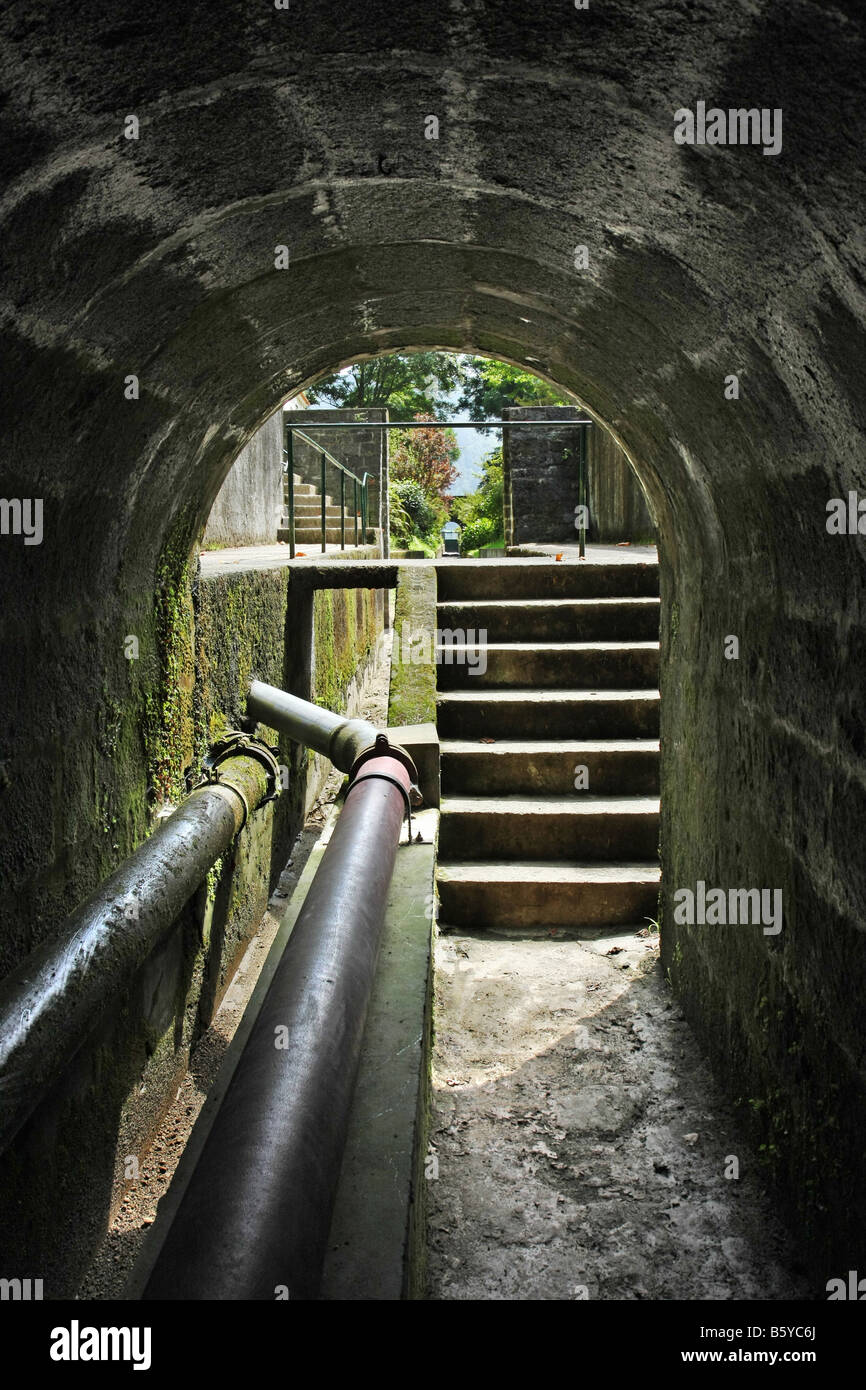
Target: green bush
{"x":481,"y":512}
{"x":421,"y":510}
{"x":482,"y":531}
{"x":401,"y":524}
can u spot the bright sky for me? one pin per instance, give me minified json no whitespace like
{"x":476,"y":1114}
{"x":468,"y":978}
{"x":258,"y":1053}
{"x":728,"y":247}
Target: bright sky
{"x":473,"y":447}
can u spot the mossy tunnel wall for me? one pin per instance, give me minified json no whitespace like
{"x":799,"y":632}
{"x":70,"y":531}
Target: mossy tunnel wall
{"x":155,"y":257}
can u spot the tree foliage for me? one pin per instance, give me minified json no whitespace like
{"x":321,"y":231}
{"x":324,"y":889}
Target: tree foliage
{"x":426,"y":457}
{"x":490,"y":386}
{"x":406,"y":384}
{"x":415,"y":508}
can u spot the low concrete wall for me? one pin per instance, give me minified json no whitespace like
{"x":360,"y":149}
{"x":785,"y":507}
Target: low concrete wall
{"x":540,"y":468}
{"x":249,"y":504}
{"x":412,"y":697}
{"x":67,"y":1171}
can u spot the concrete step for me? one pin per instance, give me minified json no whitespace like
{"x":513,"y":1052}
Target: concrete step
{"x":528,"y":665}
{"x":546,"y":893}
{"x":515,"y":765}
{"x":555,"y":620}
{"x":311,"y":535}
{"x":313,"y":522}
{"x":306,"y":495}
{"x":549,"y":714}
{"x":581,"y":827}
{"x":462,"y":580}
{"x":313,"y":510}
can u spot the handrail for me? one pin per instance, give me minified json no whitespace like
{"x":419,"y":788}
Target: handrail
{"x":344,"y":472}
{"x":446,"y":424}
{"x":322,"y":450}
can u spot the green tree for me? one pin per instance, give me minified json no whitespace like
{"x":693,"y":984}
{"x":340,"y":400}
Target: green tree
{"x":489,"y":386}
{"x":426,"y":457}
{"x":404,"y":383}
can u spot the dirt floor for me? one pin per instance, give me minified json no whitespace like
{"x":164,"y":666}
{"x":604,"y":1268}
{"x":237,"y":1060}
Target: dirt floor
{"x":580,"y":1141}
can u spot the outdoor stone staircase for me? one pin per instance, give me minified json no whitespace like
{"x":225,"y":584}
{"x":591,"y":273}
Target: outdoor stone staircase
{"x":308,"y":517}
{"x":571,"y":681}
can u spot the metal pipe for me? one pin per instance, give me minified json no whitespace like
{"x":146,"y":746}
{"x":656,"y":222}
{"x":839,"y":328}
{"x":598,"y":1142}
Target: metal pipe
{"x":255,"y":1218}
{"x":53,"y":1001}
{"x":340,"y":739}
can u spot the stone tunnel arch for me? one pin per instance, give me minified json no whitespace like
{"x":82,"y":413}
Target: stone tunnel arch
{"x":154,"y":258}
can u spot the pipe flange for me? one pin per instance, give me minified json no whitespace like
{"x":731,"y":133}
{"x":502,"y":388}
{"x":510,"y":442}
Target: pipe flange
{"x":378,"y":775}
{"x":238,"y":744}
{"x":383,"y":748}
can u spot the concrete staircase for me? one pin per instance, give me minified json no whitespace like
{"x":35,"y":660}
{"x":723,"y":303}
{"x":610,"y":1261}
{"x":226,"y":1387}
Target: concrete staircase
{"x":308,"y":517}
{"x":571,"y":680}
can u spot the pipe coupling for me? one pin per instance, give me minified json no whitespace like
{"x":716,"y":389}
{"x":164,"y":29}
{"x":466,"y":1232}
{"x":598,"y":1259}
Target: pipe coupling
{"x":237,"y":744}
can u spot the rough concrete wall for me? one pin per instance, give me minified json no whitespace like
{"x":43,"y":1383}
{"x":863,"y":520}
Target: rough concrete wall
{"x":248,"y":506}
{"x":66,"y":1171}
{"x":618,"y":509}
{"x":362,"y":451}
{"x":155,"y":257}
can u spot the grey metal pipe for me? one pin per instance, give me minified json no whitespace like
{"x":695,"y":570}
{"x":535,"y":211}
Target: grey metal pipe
{"x":340,"y":739}
{"x":255,"y":1218}
{"x":52,"y":1002}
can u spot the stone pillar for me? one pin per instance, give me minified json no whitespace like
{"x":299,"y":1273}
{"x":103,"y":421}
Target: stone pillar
{"x":540,"y":471}
{"x":540,"y":475}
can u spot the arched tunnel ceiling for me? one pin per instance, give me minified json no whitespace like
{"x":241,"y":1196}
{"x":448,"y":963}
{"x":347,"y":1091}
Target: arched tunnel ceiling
{"x":305,"y":128}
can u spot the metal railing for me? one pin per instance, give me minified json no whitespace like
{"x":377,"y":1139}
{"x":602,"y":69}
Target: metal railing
{"x":360,"y":509}
{"x":581,"y":425}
